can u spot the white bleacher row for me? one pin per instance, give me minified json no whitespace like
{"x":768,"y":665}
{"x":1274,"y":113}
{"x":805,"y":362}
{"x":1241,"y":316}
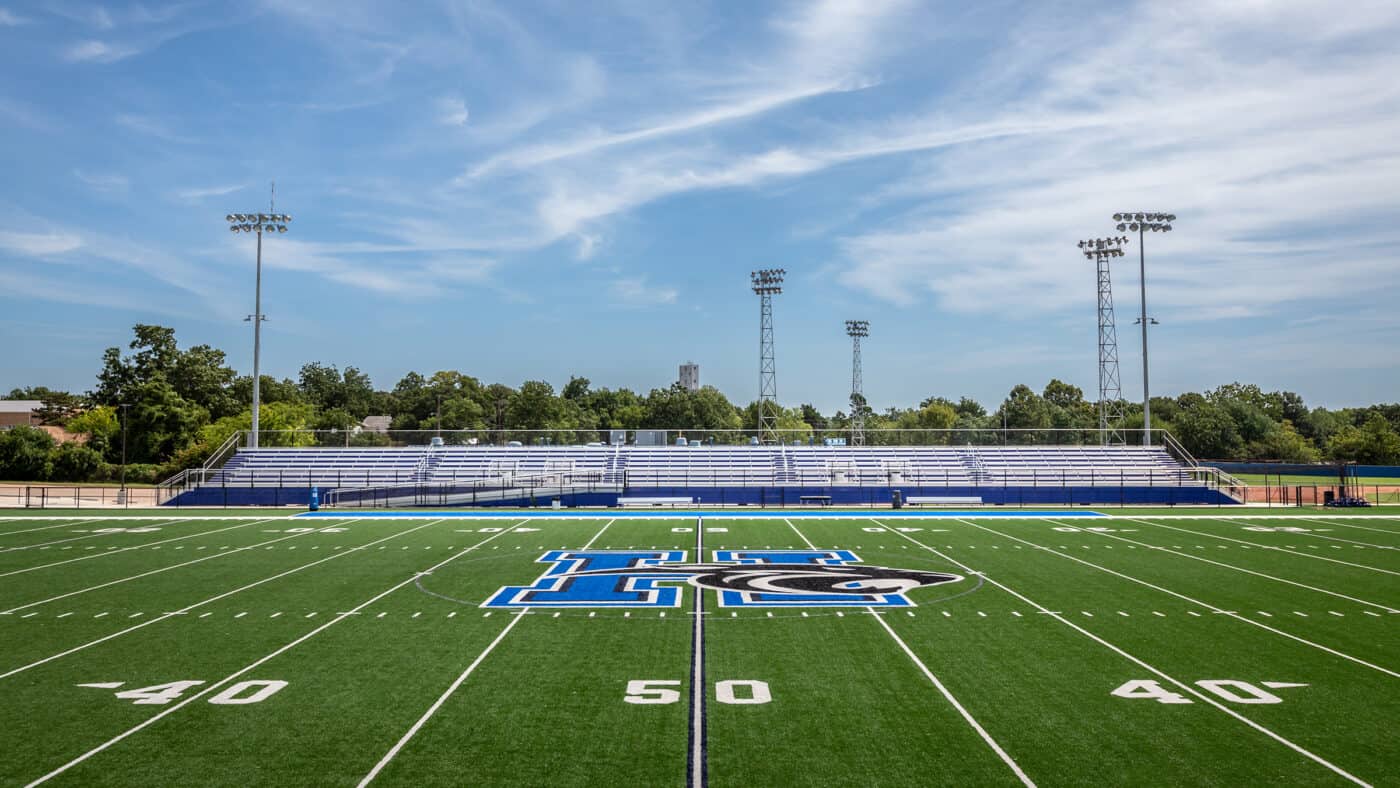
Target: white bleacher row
{"x":705,"y":466}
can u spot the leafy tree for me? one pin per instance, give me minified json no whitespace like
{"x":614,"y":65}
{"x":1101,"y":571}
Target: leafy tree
{"x":101,"y":427}
{"x":1374,"y":443}
{"x":74,"y":462}
{"x":1209,"y":432}
{"x":201,"y":376}
{"x":271,"y":390}
{"x":1025,"y":410}
{"x":25,"y":454}
{"x":576,"y":389}
{"x":1283,"y":443}
{"x":326,"y":387}
{"x":161,"y":422}
{"x":968,"y":408}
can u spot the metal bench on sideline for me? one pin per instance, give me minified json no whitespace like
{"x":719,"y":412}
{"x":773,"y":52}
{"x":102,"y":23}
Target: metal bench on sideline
{"x":819,"y":500}
{"x":650,"y":501}
{"x":955,"y":500}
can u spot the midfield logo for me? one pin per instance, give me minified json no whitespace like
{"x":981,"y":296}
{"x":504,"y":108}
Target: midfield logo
{"x":743,"y":578}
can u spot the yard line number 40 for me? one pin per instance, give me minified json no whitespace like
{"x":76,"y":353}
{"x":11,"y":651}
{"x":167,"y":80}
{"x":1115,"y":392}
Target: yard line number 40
{"x":1230,"y":690}
{"x":240,"y":694}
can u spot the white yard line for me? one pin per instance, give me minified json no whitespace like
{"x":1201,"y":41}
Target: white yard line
{"x":943,"y":690}
{"x":210,"y":600}
{"x":600,"y":533}
{"x":1206,"y":605}
{"x":252,"y":665}
{"x":1266,"y":547}
{"x":800,"y":534}
{"x":437,"y":704}
{"x":209,"y":557}
{"x":698,"y":775}
{"x":1183,"y":686}
{"x":124,"y":549}
{"x":1350,"y":525}
{"x":1160,"y":548}
{"x":986,"y":737}
{"x":66,"y":521}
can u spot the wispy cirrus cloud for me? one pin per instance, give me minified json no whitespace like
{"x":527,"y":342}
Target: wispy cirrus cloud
{"x":636,"y":291}
{"x":104,"y":183}
{"x":9,"y":18}
{"x":201,"y":193}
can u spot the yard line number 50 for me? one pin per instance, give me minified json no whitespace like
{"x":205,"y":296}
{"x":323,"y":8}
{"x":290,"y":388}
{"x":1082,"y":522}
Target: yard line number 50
{"x":736,"y":692}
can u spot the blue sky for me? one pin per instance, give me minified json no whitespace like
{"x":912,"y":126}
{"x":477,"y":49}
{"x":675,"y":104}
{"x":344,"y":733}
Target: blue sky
{"x":526,"y":190}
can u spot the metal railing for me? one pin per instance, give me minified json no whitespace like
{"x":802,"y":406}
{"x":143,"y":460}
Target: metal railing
{"x":1015,"y":436}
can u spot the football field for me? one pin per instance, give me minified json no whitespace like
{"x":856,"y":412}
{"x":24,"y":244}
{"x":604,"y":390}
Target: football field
{"x":723,"y":649}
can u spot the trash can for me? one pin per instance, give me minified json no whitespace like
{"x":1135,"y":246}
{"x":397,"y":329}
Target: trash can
{"x":896,"y":499}
{"x":1327,"y":497}
{"x":554,"y":504}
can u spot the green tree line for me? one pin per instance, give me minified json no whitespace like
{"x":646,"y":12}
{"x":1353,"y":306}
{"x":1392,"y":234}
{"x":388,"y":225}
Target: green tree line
{"x":179,"y":405}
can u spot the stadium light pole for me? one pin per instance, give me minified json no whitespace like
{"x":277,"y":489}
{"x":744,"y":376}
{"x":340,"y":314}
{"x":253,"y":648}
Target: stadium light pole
{"x":1101,"y":250}
{"x":857,"y":329}
{"x":257,"y":223}
{"x":1141,"y":223}
{"x":124,"y":406}
{"x":767,"y":283}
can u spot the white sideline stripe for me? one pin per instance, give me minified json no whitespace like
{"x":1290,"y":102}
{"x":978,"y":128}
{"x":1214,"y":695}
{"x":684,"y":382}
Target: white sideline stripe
{"x":137,"y":521}
{"x":800,"y":534}
{"x":1350,"y":525}
{"x":66,"y":521}
{"x":1386,"y":608}
{"x":201,"y":603}
{"x":1285,"y":551}
{"x":1206,"y":605}
{"x":209,"y":557}
{"x":124,"y":549}
{"x":1348,"y":541}
{"x":1182,"y":685}
{"x":225,"y":680}
{"x":600,"y":533}
{"x":948,"y":696}
{"x":986,"y":737}
{"x":437,"y":704}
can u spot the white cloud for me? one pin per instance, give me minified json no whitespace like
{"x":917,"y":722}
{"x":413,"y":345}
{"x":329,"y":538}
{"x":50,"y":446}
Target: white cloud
{"x":452,"y":112}
{"x":199,"y":193}
{"x":39,"y":244}
{"x":104,"y":183}
{"x":635,"y":291}
{"x":8,"y":18}
{"x":97,"y":52}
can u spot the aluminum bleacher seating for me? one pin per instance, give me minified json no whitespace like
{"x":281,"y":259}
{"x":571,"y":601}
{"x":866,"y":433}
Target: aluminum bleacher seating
{"x":707,"y":466}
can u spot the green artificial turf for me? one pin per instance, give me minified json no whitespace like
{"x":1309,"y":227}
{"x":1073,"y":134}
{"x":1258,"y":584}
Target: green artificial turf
{"x":375,"y":626}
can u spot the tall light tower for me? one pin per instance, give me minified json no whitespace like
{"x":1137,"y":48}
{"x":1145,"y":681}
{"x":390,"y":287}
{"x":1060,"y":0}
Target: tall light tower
{"x":856,"y":330}
{"x":767,"y":282}
{"x":1140,"y":223}
{"x":257,"y":223}
{"x":1101,"y":250}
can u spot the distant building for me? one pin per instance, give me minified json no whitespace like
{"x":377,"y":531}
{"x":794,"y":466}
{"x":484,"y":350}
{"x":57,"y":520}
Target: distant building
{"x":19,"y":412}
{"x":379,"y":424}
{"x":690,"y":376}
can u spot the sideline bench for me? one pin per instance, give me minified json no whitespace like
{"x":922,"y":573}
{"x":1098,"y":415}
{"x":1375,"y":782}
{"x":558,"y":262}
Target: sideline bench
{"x":646,"y":501}
{"x":955,"y":500}
{"x":819,"y":500}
